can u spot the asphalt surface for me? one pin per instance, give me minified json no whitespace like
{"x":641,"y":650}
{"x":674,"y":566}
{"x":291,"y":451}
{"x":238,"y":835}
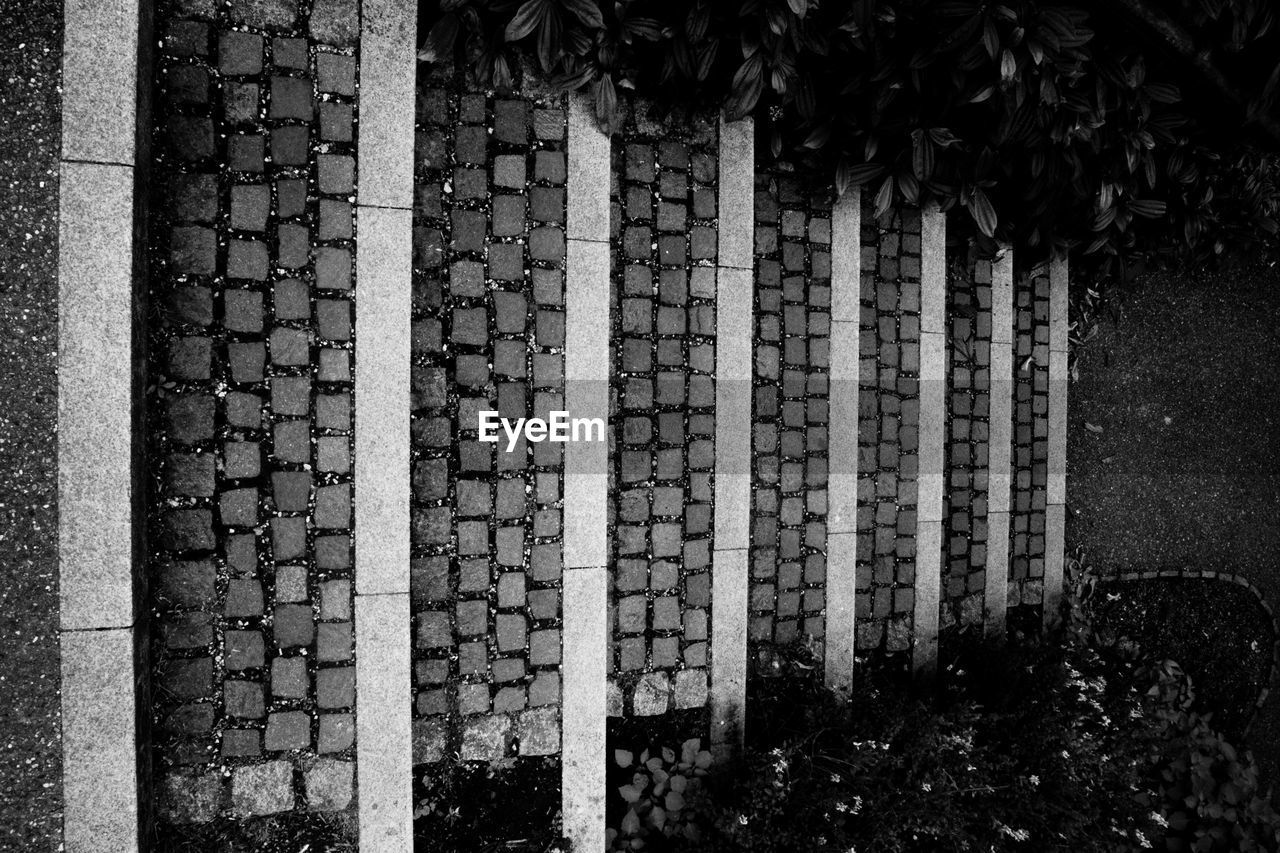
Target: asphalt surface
{"x":30,"y":788}
{"x":1174,"y":440}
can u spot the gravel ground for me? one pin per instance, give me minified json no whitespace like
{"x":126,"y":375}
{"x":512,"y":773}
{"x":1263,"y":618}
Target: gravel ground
{"x":30,"y":50}
{"x":1174,"y":439}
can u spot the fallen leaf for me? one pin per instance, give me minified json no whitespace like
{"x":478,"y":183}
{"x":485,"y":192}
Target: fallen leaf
{"x":1094,"y":428}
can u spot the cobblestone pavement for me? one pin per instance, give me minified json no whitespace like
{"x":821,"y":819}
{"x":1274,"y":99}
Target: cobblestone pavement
{"x":662,"y":411}
{"x":488,"y":334}
{"x":30,"y":751}
{"x":251,"y":410}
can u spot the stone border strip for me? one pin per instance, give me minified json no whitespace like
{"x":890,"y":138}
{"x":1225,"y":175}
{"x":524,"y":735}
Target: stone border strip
{"x":586,"y":584}
{"x":1225,"y":577}
{"x":1000,"y":445}
{"x":842,"y":478}
{"x":105,"y":80}
{"x":1056,"y":487}
{"x":384,"y":199}
{"x":735,"y":327}
{"x":931,"y":479}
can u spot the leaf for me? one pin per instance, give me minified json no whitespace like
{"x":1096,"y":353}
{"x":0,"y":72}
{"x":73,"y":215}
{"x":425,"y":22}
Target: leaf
{"x":799,"y":6}
{"x":674,"y":801}
{"x":747,"y":85}
{"x":630,"y":826}
{"x":668,"y":755}
{"x":526,"y":19}
{"x":864,"y":173}
{"x":623,"y":757}
{"x":440,"y":40}
{"x":1094,"y":428}
{"x":606,"y":103}
{"x":984,"y":215}
{"x":630,"y":793}
{"x":1148,"y":208}
{"x":884,"y":197}
{"x":586,"y":11}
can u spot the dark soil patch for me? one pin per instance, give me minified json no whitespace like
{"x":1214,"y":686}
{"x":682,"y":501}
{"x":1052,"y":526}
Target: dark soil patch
{"x":637,"y":734}
{"x":296,"y":832}
{"x":476,"y":807}
{"x":1217,"y":631}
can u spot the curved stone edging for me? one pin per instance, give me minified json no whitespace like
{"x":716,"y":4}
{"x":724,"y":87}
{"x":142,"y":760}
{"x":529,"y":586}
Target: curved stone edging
{"x":1229,"y":577}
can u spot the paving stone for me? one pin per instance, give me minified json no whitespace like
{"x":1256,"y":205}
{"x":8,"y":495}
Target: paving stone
{"x":291,"y":197}
{"x":333,"y":642}
{"x":486,"y":738}
{"x":265,"y":14}
{"x":337,"y":732}
{"x":241,"y":102}
{"x":335,"y":219}
{"x":329,"y":784}
{"x":289,"y":145}
{"x":192,"y":250}
{"x":290,"y":98}
{"x":333,"y":268}
{"x":291,"y":584}
{"x":289,"y":678}
{"x":335,"y":687}
{"x":290,"y":53}
{"x":193,"y":197}
{"x":336,"y":73}
{"x":245,"y":153}
{"x":288,"y":730}
{"x":293,"y":625}
{"x":336,"y":173}
{"x":335,"y":22}
{"x":336,"y":122}
{"x":247,"y":259}
{"x":241,"y":743}
{"x":652,"y":695}
{"x":242,"y":310}
{"x":262,"y":789}
{"x":245,"y":650}
{"x":291,"y":300}
{"x":243,"y":699}
{"x":549,"y":166}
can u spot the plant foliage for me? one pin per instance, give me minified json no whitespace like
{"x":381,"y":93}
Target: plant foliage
{"x":1083,"y":745}
{"x":1050,"y":123}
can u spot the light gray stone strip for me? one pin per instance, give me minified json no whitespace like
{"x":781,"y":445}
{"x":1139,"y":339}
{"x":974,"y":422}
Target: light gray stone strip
{"x":388,"y":76}
{"x":933,"y":425}
{"x":586,"y":643}
{"x":728,"y":698}
{"x":734,"y":299}
{"x":99,"y":741}
{"x":105,"y":69}
{"x":1056,"y":486}
{"x":384,"y":283}
{"x":589,"y":175}
{"x":384,"y":755}
{"x":96,"y":397}
{"x":1000,"y":445}
{"x":842,"y":476}
{"x":842,"y":599}
{"x":585,"y":586}
{"x":100,"y":86}
{"x":735,"y":327}
{"x":737,"y":194}
{"x":383,"y":290}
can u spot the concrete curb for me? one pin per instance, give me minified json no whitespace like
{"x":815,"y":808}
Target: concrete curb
{"x":384,"y":245}
{"x":933,"y":428}
{"x":735,"y":327}
{"x":105,"y":76}
{"x":585,"y":638}
{"x":842,"y":486}
{"x":1056,"y":487}
{"x":1000,"y":446}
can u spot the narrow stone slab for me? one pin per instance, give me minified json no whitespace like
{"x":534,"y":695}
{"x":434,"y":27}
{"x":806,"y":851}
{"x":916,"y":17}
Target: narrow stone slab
{"x":383,"y":273}
{"x":587,"y":184}
{"x":1000,"y":445}
{"x":1056,"y":484}
{"x":100,"y":80}
{"x":1054,"y":546}
{"x":843,"y":394}
{"x":933,"y":426}
{"x":586,"y":643}
{"x":388,"y":73}
{"x":734,"y":301}
{"x":933,"y":270}
{"x":585,"y":639}
{"x":586,"y":542}
{"x":737,"y":194}
{"x":924,"y":646}
{"x":846,"y":257}
{"x":384,"y":737}
{"x":727,"y":702}
{"x":99,"y":742}
{"x":96,"y":397}
{"x":842,"y":594}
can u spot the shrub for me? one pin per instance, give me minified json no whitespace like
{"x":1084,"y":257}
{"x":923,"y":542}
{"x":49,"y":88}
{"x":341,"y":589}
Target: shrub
{"x":1082,"y":744}
{"x":1051,"y":123}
